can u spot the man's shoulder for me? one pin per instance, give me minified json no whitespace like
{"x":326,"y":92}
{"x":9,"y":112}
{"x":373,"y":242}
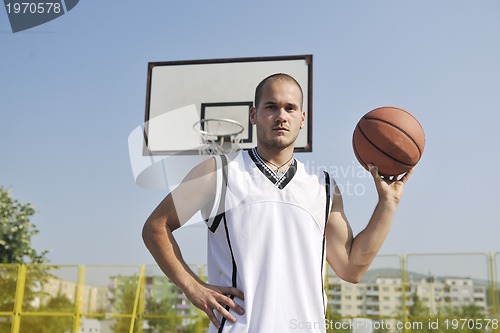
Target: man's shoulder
{"x":311,"y":168}
{"x":235,"y":157}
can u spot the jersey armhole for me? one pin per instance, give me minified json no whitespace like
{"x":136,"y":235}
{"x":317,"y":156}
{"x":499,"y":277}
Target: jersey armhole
{"x":330,"y":189}
{"x":216,"y":211}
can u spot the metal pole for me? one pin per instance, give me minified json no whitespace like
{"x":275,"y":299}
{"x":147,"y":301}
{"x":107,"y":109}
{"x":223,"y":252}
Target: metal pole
{"x":78,"y":299}
{"x":404,"y":283}
{"x":18,"y":302}
{"x":136,"y":301}
{"x":493,"y":289}
{"x":142,"y":301}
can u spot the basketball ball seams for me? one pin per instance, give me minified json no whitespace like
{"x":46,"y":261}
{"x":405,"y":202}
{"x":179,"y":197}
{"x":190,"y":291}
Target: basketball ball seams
{"x":396,"y":148}
{"x":398,"y":128}
{"x":383,"y":152}
{"x":357,"y":154}
{"x":399,"y":109}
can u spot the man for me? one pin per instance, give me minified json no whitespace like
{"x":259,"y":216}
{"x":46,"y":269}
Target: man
{"x":271,"y":224}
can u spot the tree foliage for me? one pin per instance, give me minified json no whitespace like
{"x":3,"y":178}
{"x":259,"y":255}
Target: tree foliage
{"x":51,"y":324}
{"x":419,"y":314}
{"x":123,"y":304}
{"x":16,"y":231}
{"x":463,"y":315}
{"x":168,"y":320}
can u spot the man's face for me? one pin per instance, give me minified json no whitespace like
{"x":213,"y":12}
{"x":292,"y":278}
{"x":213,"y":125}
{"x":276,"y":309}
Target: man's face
{"x":279,"y":116}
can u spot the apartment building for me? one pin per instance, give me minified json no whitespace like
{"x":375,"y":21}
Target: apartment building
{"x":93,"y":299}
{"x":384,"y":296}
{"x":450,"y":291}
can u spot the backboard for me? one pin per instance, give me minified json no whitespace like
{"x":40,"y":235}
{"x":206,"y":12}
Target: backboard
{"x":181,"y":93}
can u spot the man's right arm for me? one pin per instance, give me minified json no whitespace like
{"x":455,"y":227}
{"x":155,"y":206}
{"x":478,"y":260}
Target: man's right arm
{"x":195,"y":191}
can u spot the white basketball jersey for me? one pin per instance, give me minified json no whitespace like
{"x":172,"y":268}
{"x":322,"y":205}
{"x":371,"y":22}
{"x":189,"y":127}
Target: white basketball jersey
{"x":266,"y":238}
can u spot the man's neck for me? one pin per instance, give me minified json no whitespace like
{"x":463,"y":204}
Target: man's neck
{"x":274,"y":155}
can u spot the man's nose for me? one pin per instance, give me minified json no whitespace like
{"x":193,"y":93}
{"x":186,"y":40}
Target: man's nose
{"x":281,"y":115}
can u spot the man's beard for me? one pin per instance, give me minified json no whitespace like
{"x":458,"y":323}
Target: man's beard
{"x":278,"y":145}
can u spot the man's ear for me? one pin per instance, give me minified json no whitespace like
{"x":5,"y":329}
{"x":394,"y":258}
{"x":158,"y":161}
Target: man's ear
{"x":253,"y":111}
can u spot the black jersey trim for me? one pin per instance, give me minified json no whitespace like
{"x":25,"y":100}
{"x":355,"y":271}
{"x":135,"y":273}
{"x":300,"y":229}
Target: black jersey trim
{"x":221,"y":216}
{"x":327,"y":214}
{"x":234,"y":273}
{"x":221,"y":209}
{"x":279,"y":182}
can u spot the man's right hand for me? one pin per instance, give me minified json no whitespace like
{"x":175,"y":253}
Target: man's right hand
{"x":210,"y":298}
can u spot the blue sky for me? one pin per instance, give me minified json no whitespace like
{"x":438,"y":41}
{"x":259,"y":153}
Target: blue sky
{"x":73,"y":89}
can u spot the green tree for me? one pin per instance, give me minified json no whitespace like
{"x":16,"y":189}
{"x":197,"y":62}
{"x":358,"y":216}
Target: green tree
{"x":16,"y":231}
{"x":124,"y":299}
{"x":419,"y":314}
{"x":51,"y":324}
{"x":461,"y":319}
{"x":169,"y":320}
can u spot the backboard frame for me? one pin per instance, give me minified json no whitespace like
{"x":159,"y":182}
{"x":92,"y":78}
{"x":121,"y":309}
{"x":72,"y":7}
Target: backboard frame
{"x":248,"y":102}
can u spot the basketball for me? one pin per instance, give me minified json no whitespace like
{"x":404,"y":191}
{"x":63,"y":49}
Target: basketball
{"x":390,"y":138}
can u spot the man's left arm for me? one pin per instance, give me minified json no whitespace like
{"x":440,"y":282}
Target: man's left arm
{"x":349,"y":256}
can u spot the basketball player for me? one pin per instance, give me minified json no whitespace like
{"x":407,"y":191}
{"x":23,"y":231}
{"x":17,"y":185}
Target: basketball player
{"x":271,"y":225}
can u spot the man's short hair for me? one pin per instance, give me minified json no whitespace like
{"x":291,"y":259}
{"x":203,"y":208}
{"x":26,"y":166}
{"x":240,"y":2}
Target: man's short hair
{"x":276,"y":77}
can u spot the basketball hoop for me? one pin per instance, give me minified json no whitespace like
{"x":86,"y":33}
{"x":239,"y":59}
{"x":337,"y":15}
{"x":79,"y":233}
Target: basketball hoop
{"x":218,"y":136}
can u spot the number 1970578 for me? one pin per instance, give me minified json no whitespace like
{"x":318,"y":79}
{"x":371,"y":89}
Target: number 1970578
{"x":33,"y":8}
{"x":471,"y":324}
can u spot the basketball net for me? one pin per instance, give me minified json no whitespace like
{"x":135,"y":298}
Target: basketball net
{"x":218,"y":136}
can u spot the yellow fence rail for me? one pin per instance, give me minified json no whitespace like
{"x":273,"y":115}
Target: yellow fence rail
{"x":112,"y":299}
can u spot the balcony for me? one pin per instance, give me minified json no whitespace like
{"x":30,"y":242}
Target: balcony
{"x":372,"y":293}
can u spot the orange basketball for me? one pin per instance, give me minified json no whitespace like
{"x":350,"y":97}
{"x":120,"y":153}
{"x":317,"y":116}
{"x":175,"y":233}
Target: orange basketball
{"x":390,"y":138}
